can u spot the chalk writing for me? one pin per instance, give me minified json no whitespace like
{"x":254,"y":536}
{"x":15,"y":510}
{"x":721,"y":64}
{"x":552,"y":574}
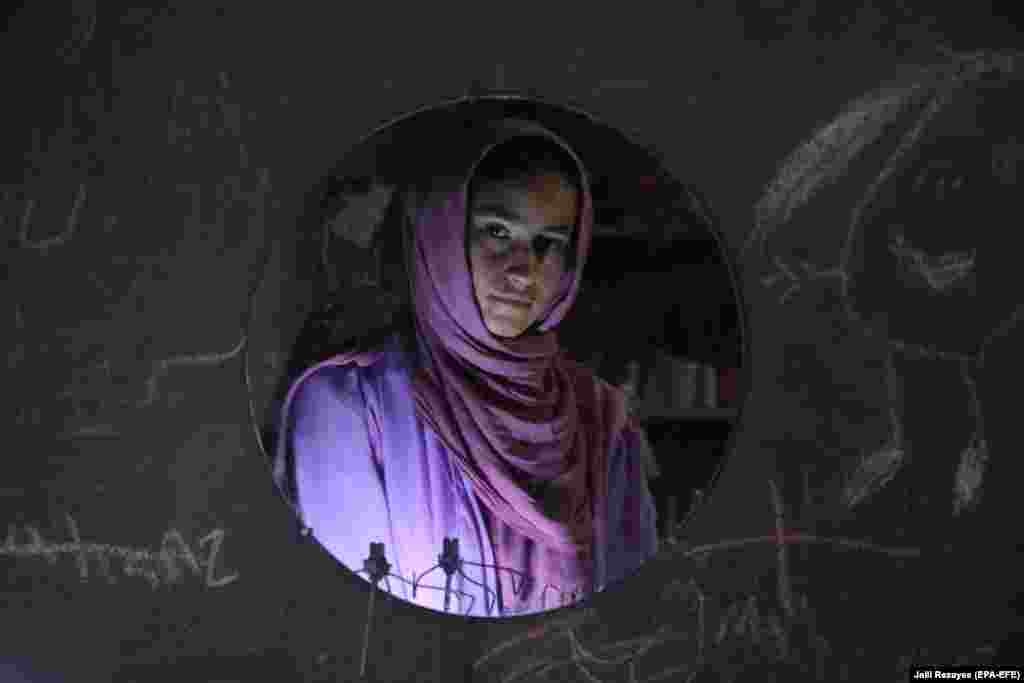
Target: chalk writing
{"x":822,"y":160}
{"x":94,"y":391}
{"x":786,"y":636}
{"x":166,"y":566}
{"x":161,"y":367}
{"x":59,"y":239}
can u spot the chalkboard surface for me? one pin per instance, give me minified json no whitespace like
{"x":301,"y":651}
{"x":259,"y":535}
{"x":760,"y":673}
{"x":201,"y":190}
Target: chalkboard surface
{"x":158,"y":167}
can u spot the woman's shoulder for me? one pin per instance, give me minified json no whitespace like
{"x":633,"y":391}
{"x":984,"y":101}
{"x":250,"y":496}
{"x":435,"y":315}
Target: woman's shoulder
{"x":357,"y":375}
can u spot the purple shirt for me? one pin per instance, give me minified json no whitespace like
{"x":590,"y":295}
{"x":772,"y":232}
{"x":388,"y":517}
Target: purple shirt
{"x":416,"y":496}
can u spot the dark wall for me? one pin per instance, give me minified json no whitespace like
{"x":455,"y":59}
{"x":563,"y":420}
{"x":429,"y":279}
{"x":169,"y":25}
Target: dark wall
{"x":158,"y":164}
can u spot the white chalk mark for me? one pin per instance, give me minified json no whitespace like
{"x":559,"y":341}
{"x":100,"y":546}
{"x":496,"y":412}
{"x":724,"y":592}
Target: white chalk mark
{"x":202,"y":359}
{"x":575,"y":617}
{"x":157,"y":568}
{"x":56,"y":240}
{"x":878,"y":469}
{"x":1001,"y":329}
{"x":38,"y":546}
{"x":742,"y":618}
{"x":794,"y":538}
{"x":872,"y":474}
{"x":823,"y":159}
{"x":969,"y":476}
{"x":173,"y":548}
{"x":783,"y":270}
{"x":215,"y":539}
{"x":81,"y":558}
{"x":938,"y":272}
{"x":784,"y":583}
{"x":209,"y":358}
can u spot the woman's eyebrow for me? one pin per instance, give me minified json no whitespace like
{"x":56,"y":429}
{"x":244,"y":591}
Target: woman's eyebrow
{"x":506,"y":214}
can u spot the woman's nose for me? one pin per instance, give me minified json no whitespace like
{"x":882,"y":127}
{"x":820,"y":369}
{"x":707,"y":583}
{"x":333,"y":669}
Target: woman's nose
{"x":523,"y":261}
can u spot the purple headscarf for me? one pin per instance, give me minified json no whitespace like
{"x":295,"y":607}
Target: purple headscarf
{"x":529,"y":428}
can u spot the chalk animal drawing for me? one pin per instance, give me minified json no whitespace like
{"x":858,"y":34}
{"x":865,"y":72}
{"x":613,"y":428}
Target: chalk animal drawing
{"x":823,"y":160}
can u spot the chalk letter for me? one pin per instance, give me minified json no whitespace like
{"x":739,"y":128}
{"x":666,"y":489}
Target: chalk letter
{"x":172,"y":547}
{"x":215,"y":537}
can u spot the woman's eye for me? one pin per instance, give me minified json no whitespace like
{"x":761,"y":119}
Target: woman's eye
{"x":546,"y":243}
{"x":542,"y":243}
{"x":496,"y":230}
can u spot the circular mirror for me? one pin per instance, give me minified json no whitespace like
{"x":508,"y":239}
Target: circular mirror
{"x":519,"y":372}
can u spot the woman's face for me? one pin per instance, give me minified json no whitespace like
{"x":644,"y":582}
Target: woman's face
{"x":519,"y":237}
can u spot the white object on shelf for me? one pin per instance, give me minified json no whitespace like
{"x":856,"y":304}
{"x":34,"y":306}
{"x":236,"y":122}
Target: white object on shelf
{"x":710,"y":387}
{"x":667,"y":398}
{"x":688,"y":385}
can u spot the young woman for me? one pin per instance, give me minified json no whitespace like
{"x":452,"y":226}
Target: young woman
{"x":473,"y":424}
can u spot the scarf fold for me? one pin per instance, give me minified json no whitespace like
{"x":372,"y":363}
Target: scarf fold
{"x":528,"y":427}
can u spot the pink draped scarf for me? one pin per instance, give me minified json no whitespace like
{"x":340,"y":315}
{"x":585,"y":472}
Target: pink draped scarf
{"x":530,"y":429}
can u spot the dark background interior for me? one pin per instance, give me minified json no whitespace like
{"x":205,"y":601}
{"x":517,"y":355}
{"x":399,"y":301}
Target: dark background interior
{"x":155,"y":197}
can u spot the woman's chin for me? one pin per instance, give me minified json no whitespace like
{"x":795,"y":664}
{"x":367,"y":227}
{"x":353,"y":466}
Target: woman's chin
{"x":506,"y":328}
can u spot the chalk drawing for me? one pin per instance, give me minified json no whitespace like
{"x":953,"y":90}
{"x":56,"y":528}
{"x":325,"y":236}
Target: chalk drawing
{"x":822,"y":160}
{"x":93,"y":392}
{"x":63,"y":237}
{"x":162,"y":367}
{"x":164,"y":567}
{"x":742,"y":620}
{"x":939,"y":273}
{"x":969,"y":474}
{"x":215,"y":539}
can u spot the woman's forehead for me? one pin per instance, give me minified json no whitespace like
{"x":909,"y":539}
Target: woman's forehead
{"x":549,"y":195}
{"x":546,"y":188}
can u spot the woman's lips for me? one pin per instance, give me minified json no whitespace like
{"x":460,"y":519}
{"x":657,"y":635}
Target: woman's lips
{"x":509,"y":301}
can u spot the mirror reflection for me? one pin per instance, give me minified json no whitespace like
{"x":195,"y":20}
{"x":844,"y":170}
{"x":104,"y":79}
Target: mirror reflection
{"x":521,"y":372}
